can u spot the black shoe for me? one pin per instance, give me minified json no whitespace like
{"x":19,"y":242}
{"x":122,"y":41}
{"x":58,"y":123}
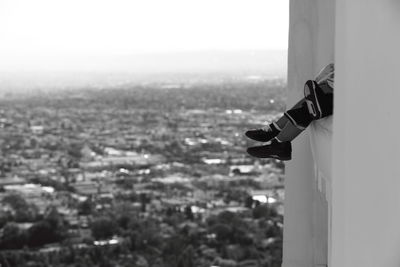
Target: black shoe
{"x":263,"y":134}
{"x":319,"y":103}
{"x":275,"y":150}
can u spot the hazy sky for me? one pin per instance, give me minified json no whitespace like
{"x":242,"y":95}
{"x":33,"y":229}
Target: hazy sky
{"x":44,"y":33}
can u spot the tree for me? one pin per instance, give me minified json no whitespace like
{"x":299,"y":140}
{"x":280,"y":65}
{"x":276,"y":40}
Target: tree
{"x":56,"y":222}
{"x":41,"y":233}
{"x":222,"y":231}
{"x":248,"y":203}
{"x":85,"y":207}
{"x":264,"y":211}
{"x":24,"y":212}
{"x":188,"y":212}
{"x":123,"y":221}
{"x":227,"y":217}
{"x":103,"y":228}
{"x":74,"y":150}
{"x":12,"y":237}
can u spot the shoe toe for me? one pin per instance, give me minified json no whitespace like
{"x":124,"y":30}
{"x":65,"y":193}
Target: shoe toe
{"x":259,"y":135}
{"x":253,"y":134}
{"x":249,"y":133}
{"x":256,"y":151}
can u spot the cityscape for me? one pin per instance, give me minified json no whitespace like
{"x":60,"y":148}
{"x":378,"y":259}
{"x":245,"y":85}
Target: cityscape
{"x":144,"y":174}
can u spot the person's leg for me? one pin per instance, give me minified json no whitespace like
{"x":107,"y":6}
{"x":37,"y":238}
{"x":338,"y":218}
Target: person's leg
{"x":319,"y":98}
{"x":288,"y":133}
{"x":293,"y":122}
{"x":265,"y":134}
{"x":281,"y":123}
{"x":297,"y":120}
{"x":299,"y":115}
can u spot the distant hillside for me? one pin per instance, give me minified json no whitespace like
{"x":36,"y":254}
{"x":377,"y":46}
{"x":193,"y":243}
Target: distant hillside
{"x":119,"y":69}
{"x":268,"y":62}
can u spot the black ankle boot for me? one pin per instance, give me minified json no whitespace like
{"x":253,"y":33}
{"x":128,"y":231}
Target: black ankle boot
{"x":263,"y":134}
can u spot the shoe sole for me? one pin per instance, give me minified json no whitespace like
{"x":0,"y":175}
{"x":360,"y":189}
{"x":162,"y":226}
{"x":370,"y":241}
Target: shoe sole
{"x":280,"y":158}
{"x":271,"y":157}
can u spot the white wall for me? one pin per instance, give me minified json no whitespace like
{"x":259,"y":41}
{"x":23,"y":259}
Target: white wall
{"x":366,"y":151}
{"x":311,"y":46}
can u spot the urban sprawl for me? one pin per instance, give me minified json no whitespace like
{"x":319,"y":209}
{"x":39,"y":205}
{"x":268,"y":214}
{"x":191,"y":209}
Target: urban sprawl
{"x":146,"y":175}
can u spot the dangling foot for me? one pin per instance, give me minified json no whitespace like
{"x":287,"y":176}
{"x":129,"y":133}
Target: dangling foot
{"x":275,"y":150}
{"x":263,"y":134}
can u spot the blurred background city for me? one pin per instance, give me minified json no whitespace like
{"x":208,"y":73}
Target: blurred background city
{"x":122,"y":132}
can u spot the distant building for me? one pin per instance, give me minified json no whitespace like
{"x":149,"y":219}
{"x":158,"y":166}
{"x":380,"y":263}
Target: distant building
{"x":37,"y":129}
{"x":88,"y":188}
{"x":244,"y":170}
{"x":15,"y":180}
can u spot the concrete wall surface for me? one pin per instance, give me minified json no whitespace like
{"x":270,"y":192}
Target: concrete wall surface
{"x":366,"y":144}
{"x":311,"y":47}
